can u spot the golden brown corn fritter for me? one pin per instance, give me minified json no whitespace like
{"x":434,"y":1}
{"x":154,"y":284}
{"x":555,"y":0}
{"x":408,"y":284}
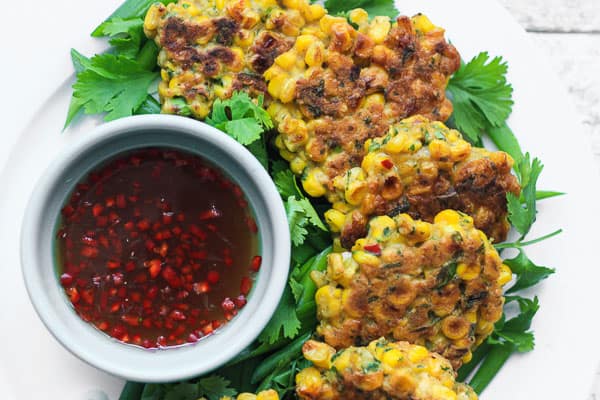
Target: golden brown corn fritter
{"x":381,"y":370}
{"x":438,"y":285}
{"x":211,"y":48}
{"x":339,"y":86}
{"x":421,"y":168}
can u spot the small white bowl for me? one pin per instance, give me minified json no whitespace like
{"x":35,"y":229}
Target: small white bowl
{"x":97,"y":348}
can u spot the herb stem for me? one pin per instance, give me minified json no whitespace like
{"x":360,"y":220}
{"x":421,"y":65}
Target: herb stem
{"x":494,"y":361}
{"x":283,"y":357}
{"x":518,"y":244}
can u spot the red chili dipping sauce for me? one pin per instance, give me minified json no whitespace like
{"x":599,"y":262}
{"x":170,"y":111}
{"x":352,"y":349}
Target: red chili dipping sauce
{"x":157,"y":248}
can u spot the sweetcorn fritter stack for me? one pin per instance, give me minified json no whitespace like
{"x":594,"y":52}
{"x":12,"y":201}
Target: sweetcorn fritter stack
{"x":438,"y":285}
{"x":421,"y":168}
{"x":211,"y":48}
{"x":381,"y":370}
{"x":346,"y":81}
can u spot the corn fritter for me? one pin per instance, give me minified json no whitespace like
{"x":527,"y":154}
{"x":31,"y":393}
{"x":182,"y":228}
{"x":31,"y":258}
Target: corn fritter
{"x":381,"y":370}
{"x":339,"y":86}
{"x":211,"y":48}
{"x":264,"y":395}
{"x":437,"y":285}
{"x":421,"y":168}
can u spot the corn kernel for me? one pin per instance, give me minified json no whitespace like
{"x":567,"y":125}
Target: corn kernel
{"x":288,"y":91}
{"x":276,"y":84}
{"x":329,"y":301}
{"x":379,"y":29}
{"x":505,"y":275}
{"x":467,"y":357}
{"x":297,"y":165}
{"x":309,"y":380}
{"x":152,"y":18}
{"x":286,"y":60}
{"x":358,"y":16}
{"x":319,"y":353}
{"x":448,"y":217}
{"x":313,"y":12}
{"x":381,"y":227}
{"x":392,"y":358}
{"x":335,"y":220}
{"x":303,"y":41}
{"x":468,"y":272}
{"x":422,"y":23}
{"x":460,"y":150}
{"x":314,"y":54}
{"x":417,"y":354}
{"x":312,"y":185}
{"x":246,"y":396}
{"x":455,"y":327}
{"x":363,"y":257}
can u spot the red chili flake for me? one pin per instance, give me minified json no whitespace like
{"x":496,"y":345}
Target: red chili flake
{"x":207,"y":329}
{"x":102,"y":221}
{"x":89,"y":252}
{"x":129,"y":225}
{"x":112,"y":264}
{"x":167,"y":217}
{"x":130,"y":266}
{"x":227,"y":304}
{"x":216,"y":324}
{"x":143,"y":225}
{"x":97,"y":209}
{"x":68,"y":210}
{"x":114,"y":307}
{"x":256,"y":262}
{"x":251,"y":225}
{"x":109,"y":202}
{"x":213,"y":277}
{"x":177,"y":315}
{"x":147,"y":344}
{"x":192,"y":338}
{"x":130,"y":320}
{"x":136,"y":297}
{"x":373,"y":248}
{"x":212,"y":227}
{"x":66,"y":279}
{"x":176,"y":230}
{"x":211,"y":213}
{"x":120,"y":201}
{"x":201,"y":287}
{"x":133,"y":199}
{"x":387,"y":163}
{"x":245,"y":285}
{"x":180,"y":217}
{"x":89,"y":241}
{"x":240,"y":301}
{"x":103,"y":241}
{"x":102,"y":325}
{"x":154,"y":267}
{"x":118,"y":278}
{"x":88,"y":296}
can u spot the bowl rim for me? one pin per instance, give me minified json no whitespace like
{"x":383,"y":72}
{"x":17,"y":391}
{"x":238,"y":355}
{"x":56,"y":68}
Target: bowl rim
{"x":276,"y":223}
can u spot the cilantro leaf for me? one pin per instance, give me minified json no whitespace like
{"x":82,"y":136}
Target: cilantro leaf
{"x":373,"y":7}
{"x":285,"y":180}
{"x":522,"y":214}
{"x":240,"y":117}
{"x":113,"y":84}
{"x":126,"y":34}
{"x":297,"y":220}
{"x":481,"y":96}
{"x":528,"y":274}
{"x":284,"y":320}
{"x":301,"y":214}
{"x":215,"y":387}
{"x":516,"y":329}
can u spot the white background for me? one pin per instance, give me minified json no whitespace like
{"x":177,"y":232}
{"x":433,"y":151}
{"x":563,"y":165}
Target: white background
{"x":37,"y":36}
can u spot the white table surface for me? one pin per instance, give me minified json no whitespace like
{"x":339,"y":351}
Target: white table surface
{"x":37,"y":36}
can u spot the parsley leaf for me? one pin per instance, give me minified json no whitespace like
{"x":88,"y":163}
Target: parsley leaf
{"x":301,"y":214}
{"x":284,"y":320}
{"x":126,"y":34}
{"x":516,"y":329}
{"x":522,"y":214}
{"x":373,"y":7}
{"x":113,"y":84}
{"x":215,"y":387}
{"x":240,"y":117}
{"x":528,"y":274}
{"x":481,"y":95}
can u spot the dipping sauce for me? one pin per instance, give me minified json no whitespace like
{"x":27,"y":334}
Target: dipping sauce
{"x":157,"y":248}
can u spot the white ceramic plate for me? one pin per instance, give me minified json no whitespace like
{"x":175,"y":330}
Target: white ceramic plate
{"x":34,"y":365}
